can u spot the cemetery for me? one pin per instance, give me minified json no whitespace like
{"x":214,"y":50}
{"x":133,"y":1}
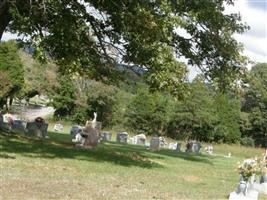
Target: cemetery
{"x":134,"y":154}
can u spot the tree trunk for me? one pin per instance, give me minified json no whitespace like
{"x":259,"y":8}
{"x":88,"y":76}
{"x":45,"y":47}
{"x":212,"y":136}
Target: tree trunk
{"x":4,"y":17}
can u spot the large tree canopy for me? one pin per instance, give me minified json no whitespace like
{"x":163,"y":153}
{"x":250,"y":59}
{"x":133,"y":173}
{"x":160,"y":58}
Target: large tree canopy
{"x":84,"y":35}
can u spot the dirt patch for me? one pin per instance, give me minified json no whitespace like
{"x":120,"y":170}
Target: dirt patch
{"x":191,"y":179}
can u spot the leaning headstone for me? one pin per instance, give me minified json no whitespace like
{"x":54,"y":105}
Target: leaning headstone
{"x":106,"y":136}
{"x":154,"y":143}
{"x":122,"y":137}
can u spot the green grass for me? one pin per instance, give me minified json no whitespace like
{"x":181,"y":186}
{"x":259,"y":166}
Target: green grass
{"x":55,"y":169}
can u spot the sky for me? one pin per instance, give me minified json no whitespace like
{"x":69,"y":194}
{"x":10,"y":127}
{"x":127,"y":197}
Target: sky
{"x":254,"y":14}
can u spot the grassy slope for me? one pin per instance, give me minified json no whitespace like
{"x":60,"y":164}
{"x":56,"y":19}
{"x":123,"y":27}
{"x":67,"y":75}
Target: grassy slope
{"x":54,"y":169}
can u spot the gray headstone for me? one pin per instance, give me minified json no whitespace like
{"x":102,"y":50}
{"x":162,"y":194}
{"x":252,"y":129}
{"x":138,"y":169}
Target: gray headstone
{"x":5,"y":126}
{"x":19,"y":126}
{"x":178,"y":147}
{"x":106,"y":136}
{"x":37,"y":129}
{"x":193,"y":147}
{"x":75,"y":130}
{"x":154,"y":143}
{"x":122,"y":137}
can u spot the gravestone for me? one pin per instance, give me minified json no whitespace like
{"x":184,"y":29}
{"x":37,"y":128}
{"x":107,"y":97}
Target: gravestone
{"x":37,"y":129}
{"x":92,"y":132}
{"x":154,"y":143}
{"x":58,"y":127}
{"x":140,"y":139}
{"x":178,"y":147}
{"x":122,"y":137}
{"x":75,"y":130}
{"x":19,"y":126}
{"x":172,"y":146}
{"x":5,"y":126}
{"x":162,"y":141}
{"x":193,"y":147}
{"x":106,"y":136}
{"x":209,"y":149}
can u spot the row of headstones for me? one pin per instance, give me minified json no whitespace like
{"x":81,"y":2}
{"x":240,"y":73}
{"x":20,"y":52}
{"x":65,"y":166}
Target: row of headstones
{"x":155,"y":143}
{"x":123,"y":137}
{"x":27,"y":128}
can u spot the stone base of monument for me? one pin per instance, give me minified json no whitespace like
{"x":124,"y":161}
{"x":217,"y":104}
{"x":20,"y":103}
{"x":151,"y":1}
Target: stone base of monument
{"x":261,"y":188}
{"x":251,"y":195}
{"x":92,"y":132}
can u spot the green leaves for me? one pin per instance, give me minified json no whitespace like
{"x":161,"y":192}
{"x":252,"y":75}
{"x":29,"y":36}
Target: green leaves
{"x":11,"y":70}
{"x":83,"y":36}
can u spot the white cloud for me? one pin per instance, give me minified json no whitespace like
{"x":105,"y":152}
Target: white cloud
{"x":255,"y":39}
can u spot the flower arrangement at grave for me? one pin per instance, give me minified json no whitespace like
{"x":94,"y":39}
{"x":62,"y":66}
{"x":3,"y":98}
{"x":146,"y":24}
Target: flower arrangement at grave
{"x":248,"y":168}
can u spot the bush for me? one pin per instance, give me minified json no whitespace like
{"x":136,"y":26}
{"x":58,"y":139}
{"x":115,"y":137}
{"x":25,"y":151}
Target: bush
{"x":247,"y":141}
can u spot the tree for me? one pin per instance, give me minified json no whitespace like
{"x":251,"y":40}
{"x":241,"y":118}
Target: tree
{"x":206,"y":115}
{"x":195,"y":116}
{"x":255,"y":104}
{"x":11,"y":70}
{"x":64,"y":97}
{"x":80,"y":35}
{"x":148,"y":113}
{"x":228,"y":117}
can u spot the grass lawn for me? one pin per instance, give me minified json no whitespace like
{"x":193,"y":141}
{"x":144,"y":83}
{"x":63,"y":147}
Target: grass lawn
{"x":54,"y":169}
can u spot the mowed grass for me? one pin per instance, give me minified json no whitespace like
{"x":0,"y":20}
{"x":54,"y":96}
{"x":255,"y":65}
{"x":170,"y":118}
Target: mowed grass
{"x":55,"y":169}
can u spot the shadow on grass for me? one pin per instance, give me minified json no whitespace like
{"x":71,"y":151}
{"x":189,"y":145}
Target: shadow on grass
{"x":60,"y":146}
{"x":50,"y":149}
